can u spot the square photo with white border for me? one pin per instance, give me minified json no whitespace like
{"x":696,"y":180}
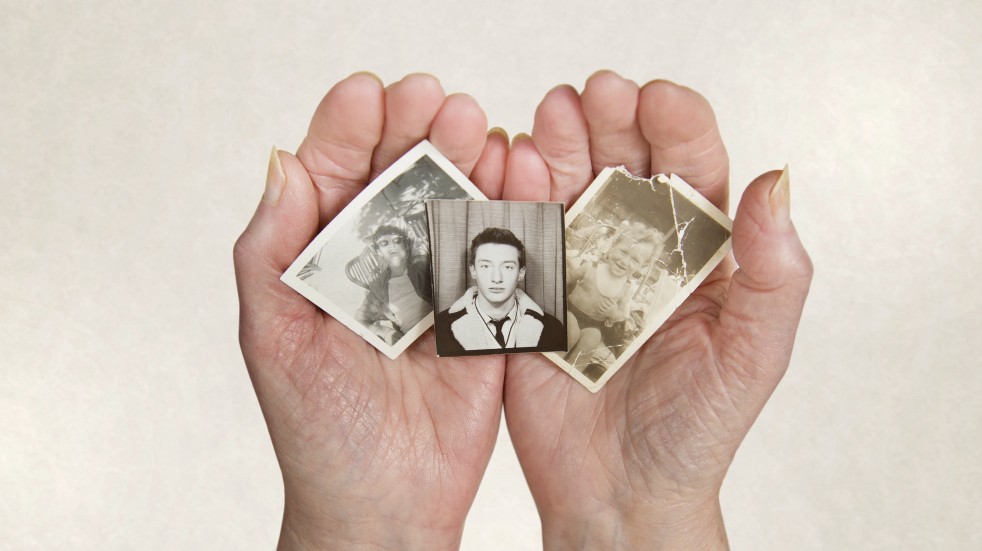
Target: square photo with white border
{"x":636,"y":248}
{"x":369,"y":268}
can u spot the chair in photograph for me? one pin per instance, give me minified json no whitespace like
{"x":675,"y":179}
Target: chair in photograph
{"x":313,"y":266}
{"x":364,"y":268}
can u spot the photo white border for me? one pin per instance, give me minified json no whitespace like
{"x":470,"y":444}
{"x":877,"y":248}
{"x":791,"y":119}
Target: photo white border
{"x":676,"y":184}
{"x":352,"y":210}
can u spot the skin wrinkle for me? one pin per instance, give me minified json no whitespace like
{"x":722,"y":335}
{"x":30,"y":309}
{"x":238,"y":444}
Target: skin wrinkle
{"x":327,"y":168}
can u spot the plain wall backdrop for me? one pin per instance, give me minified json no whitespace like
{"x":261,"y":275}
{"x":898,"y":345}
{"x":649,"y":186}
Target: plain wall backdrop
{"x":133,"y":151}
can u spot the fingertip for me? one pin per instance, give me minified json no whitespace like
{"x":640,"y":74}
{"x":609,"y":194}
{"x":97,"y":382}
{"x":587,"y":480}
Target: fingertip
{"x":282,"y":228}
{"x":559,"y":113}
{"x":606,"y":82}
{"x":561,"y":136}
{"x":411,"y":106}
{"x":663,"y":105}
{"x":680,"y":125}
{"x":526,"y":174}
{"x":357,"y":75}
{"x":610,"y":105}
{"x":766,"y":243}
{"x":467,"y":110}
{"x":345,"y":128}
{"x":422,"y":81}
{"x":365,"y":85}
{"x":600,"y":74}
{"x":499,"y":132}
{"x":489,"y":172}
{"x":459,"y":131}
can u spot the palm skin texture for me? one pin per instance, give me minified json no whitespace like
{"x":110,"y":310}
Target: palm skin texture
{"x":377,"y":453}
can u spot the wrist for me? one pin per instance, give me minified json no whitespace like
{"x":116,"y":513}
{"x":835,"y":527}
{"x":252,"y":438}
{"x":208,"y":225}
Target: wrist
{"x":688,"y":526}
{"x":327,"y":530}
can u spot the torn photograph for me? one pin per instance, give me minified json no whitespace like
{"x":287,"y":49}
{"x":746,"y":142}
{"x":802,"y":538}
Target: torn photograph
{"x":498,"y":277}
{"x":636,"y":248}
{"x":369,"y":268}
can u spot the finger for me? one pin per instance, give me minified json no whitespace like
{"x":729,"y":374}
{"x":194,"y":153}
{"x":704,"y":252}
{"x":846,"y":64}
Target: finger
{"x":489,"y":172}
{"x":759,"y":319}
{"x":610,"y":105}
{"x":410,"y":107}
{"x":343,"y":133}
{"x":561,"y":136}
{"x":459,"y":131}
{"x":527,"y":176}
{"x":285,"y":221}
{"x":681,"y":128}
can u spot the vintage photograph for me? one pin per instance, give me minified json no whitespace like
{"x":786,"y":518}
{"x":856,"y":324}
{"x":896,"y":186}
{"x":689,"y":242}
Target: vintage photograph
{"x":499,"y":283}
{"x":370,"y":267}
{"x":635,"y":249}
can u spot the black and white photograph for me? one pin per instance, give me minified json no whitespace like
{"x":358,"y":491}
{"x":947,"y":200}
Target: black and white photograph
{"x":370,"y":267}
{"x":635,"y":249}
{"x":498,"y":277}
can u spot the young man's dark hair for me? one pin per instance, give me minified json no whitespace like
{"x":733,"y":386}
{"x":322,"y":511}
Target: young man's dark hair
{"x":498,"y":236}
{"x":392,"y":230}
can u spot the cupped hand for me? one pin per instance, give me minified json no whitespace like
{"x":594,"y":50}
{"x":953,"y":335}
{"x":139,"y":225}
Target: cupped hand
{"x":374,"y":452}
{"x":639,"y":465}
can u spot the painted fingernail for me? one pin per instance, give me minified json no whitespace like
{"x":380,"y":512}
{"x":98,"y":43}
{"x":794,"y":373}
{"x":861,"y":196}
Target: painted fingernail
{"x":520,"y":136}
{"x":275,"y":179}
{"x":780,"y":197}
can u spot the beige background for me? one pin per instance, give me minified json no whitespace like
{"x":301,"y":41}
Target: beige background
{"x":133,"y":148}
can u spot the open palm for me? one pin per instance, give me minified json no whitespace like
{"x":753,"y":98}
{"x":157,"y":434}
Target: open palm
{"x":373,"y":451}
{"x":640,"y":463}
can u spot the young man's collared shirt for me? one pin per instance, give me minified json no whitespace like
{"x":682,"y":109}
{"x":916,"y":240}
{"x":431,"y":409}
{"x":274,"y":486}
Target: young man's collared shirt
{"x":506,"y":327}
{"x":462,"y":328}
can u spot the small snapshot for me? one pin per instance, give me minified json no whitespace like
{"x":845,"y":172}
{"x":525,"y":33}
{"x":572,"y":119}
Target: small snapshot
{"x":369,"y":268}
{"x":636,"y":249}
{"x":499,"y":283}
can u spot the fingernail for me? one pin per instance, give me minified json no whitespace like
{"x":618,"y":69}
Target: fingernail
{"x":520,"y":136}
{"x":780,"y":197}
{"x":368,"y":74}
{"x":499,"y":131}
{"x":275,"y":179}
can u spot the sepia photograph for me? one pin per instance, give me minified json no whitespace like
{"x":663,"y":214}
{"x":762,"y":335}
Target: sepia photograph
{"x":498,"y":276}
{"x":370,"y":267}
{"x":635,"y":249}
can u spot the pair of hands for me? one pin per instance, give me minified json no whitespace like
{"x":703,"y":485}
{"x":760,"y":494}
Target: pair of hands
{"x":377,"y":453}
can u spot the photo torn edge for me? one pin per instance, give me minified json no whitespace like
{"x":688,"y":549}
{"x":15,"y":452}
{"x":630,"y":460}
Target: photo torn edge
{"x":676,"y":185}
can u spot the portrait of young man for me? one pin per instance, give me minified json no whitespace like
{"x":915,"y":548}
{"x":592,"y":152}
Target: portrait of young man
{"x":495,"y":316}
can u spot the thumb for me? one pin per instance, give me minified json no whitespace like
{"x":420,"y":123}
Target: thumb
{"x":284,"y":223}
{"x":759,"y":319}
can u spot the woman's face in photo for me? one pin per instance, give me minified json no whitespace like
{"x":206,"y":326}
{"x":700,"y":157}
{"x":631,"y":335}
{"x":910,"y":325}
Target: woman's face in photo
{"x":392,"y":247}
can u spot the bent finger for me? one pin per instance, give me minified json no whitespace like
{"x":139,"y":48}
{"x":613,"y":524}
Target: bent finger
{"x":680,"y":126}
{"x":341,"y":139}
{"x":610,"y":104}
{"x":410,"y":107}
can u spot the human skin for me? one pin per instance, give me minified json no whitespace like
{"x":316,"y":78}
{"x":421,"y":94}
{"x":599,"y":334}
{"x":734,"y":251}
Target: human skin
{"x":497,"y":274}
{"x":395,"y":252}
{"x":380,"y":453}
{"x":639,"y":464}
{"x":375,"y":453}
